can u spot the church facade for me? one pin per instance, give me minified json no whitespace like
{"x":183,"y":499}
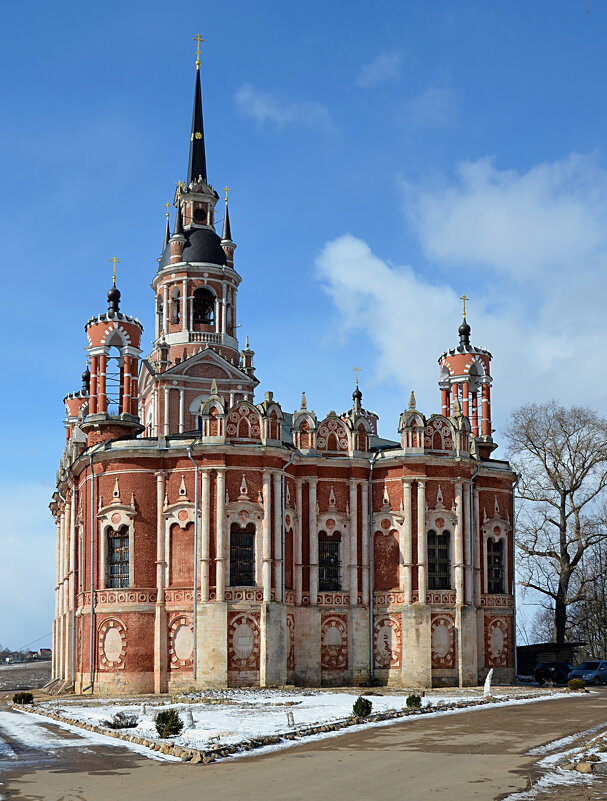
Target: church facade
{"x":206,"y":539}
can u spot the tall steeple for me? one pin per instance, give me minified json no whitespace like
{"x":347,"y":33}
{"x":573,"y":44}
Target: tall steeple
{"x":197,"y":164}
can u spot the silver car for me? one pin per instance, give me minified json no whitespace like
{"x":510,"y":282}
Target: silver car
{"x":591,"y":672}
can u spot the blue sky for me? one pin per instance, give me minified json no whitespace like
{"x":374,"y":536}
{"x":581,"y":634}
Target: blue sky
{"x":383,"y":159}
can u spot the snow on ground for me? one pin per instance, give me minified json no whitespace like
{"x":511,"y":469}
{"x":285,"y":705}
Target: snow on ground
{"x":229,"y":717}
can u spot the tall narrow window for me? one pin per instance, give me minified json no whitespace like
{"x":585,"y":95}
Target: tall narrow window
{"x":203,"y":306}
{"x":439,"y":564}
{"x":118,"y":557}
{"x":328,"y":561}
{"x":242,"y":555}
{"x":495,"y":566}
{"x":175,"y":307}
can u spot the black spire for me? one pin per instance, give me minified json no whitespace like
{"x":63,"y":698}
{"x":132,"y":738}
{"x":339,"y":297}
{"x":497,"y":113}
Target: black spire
{"x":178,"y":222}
{"x":167,"y":234}
{"x":464,"y":334}
{"x":227,"y":231}
{"x":113,"y":297}
{"x":197,"y":164}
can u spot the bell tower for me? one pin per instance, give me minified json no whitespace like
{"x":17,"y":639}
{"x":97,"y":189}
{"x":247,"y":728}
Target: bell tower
{"x":113,"y":349}
{"x":196,"y":289}
{"x":465,"y":379}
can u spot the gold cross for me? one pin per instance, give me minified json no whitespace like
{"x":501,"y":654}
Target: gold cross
{"x":357,"y":370}
{"x":198,"y":39}
{"x":168,"y":206}
{"x":226,"y":190}
{"x":180,"y":185}
{"x":464,"y":298}
{"x":115,"y":260}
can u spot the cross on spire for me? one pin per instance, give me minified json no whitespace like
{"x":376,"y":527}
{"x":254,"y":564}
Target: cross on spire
{"x":116,"y":261}
{"x":356,"y":370}
{"x":198,"y":39}
{"x":464,"y":298}
{"x":168,"y":206}
{"x":226,"y":190}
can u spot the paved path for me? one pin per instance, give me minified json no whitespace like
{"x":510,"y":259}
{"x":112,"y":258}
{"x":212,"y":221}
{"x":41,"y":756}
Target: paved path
{"x":479,"y":755}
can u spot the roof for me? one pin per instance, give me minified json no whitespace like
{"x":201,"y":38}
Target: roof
{"x":202,"y":245}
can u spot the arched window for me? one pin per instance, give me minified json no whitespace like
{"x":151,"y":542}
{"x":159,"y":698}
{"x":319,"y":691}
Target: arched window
{"x":328,"y":561}
{"x":175,"y":307}
{"x":160,"y":314}
{"x":439,"y":563}
{"x":203,"y":306}
{"x":242,"y":555}
{"x":118,"y":557}
{"x":495,"y":566}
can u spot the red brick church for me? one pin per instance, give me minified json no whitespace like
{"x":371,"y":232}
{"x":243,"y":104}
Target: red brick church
{"x":207,"y":538}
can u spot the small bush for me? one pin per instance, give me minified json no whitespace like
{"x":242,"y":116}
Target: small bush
{"x":168,"y":723}
{"x":576,"y":684}
{"x":23,"y":698}
{"x":122,"y":720}
{"x":362,"y":707}
{"x":414,"y":701}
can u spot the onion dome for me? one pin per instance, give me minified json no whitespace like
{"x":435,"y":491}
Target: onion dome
{"x":113,"y":297}
{"x":464,"y":334}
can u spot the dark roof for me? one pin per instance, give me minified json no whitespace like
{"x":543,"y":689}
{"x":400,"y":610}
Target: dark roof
{"x":202,"y":244}
{"x":227,"y":231}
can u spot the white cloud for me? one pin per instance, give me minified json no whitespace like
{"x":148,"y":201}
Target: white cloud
{"x":540,"y":238}
{"x":384,"y":68}
{"x":27,"y":567}
{"x":433,"y":108}
{"x":528,"y":225}
{"x":264,"y":107}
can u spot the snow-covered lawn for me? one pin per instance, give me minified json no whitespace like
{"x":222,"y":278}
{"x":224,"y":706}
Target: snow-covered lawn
{"x":228,"y":717}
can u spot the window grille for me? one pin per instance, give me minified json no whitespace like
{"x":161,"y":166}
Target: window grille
{"x":495,"y":566}
{"x":439,"y":563}
{"x":242,"y":556}
{"x":328,"y":562}
{"x":118,"y":558}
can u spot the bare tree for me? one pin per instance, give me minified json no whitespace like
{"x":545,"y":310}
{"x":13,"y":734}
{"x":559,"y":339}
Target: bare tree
{"x":588,"y":618}
{"x":561,"y":456}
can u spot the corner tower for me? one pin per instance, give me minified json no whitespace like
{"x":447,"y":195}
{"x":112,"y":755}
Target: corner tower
{"x":196,"y":288}
{"x":465,"y":384}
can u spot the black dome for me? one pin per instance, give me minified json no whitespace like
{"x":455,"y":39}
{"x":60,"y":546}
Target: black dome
{"x":201,"y":244}
{"x":464,"y":329}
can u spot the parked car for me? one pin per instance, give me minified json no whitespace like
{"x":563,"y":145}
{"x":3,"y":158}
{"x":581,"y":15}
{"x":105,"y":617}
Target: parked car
{"x":556,"y":672}
{"x":592,"y":672}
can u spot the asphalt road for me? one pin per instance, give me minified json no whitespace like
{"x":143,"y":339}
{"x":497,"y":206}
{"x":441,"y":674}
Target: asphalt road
{"x":477,"y":755}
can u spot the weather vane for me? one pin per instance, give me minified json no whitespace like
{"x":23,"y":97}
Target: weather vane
{"x":198,"y":39}
{"x":464,"y":298}
{"x":356,"y":370}
{"x":115,"y":261}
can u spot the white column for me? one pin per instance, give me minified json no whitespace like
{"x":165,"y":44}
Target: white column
{"x":220,"y":569}
{"x":422,"y":548}
{"x":181,"y":409}
{"x":205,"y":528}
{"x":459,"y":545}
{"x":217,"y":320}
{"x":297,"y":545}
{"x":406,"y":547}
{"x":353,"y":567}
{"x":364,"y":500}
{"x":166,"y":412}
{"x":277,"y":536}
{"x":468,"y":587}
{"x":223,"y":308}
{"x":313,"y":542}
{"x":184,"y":305}
{"x":266,"y":538}
{"x":160,"y":550}
{"x":477,"y":549}
{"x":165,"y":311}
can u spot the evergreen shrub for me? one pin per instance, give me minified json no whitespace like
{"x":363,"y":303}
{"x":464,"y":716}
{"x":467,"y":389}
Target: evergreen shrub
{"x":23,"y":698}
{"x":414,"y":701}
{"x":168,"y":723}
{"x":362,"y":707}
{"x":576,"y":684}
